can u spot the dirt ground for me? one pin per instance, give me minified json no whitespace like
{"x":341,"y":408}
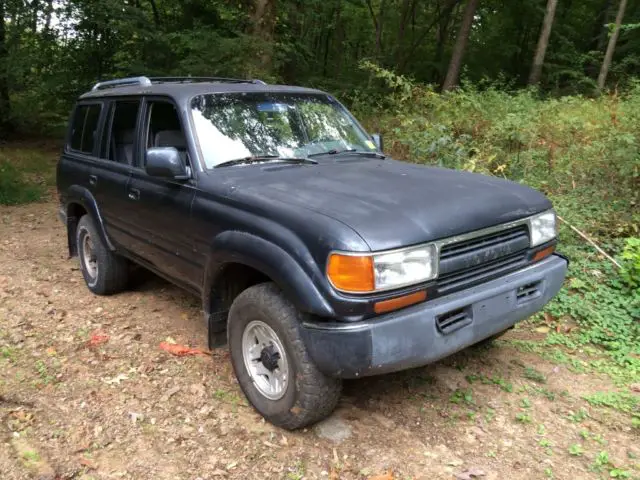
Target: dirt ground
{"x":125,"y":409}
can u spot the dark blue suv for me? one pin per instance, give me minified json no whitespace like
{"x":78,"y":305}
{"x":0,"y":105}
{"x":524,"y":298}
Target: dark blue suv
{"x":316,"y":257}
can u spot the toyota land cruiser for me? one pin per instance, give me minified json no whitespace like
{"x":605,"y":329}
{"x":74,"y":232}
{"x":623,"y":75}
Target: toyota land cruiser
{"x":316,"y":257}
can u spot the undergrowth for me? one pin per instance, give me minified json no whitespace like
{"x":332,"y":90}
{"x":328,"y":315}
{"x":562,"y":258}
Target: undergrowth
{"x":14,"y":188}
{"x":584,"y":154}
{"x":26,"y":171}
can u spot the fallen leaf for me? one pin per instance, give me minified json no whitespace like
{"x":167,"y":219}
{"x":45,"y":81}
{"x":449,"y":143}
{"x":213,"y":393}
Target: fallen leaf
{"x":51,"y":352}
{"x":542,"y":330}
{"x":182,"y":350}
{"x":88,"y":463}
{"x":98,"y":338}
{"x":384,"y":476}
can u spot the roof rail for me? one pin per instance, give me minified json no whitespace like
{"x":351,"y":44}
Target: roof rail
{"x":121,"y":82}
{"x":204,"y":79}
{"x":148,"y":81}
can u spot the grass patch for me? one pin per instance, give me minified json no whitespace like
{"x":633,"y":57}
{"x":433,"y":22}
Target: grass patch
{"x":620,"y":401}
{"x":531,"y":373}
{"x":14,"y":188}
{"x":25,"y":173}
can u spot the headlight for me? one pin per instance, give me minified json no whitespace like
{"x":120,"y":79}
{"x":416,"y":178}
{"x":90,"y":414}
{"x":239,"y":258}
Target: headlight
{"x":384,"y":271}
{"x":542,"y":228}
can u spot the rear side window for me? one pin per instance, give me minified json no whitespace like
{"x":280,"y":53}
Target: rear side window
{"x":84,"y":128}
{"x":120,"y":132}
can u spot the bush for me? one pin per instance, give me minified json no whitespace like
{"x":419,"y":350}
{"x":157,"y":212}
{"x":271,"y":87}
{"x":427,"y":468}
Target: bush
{"x":556,"y":144}
{"x":631,"y":263}
{"x":14,"y":188}
{"x":583,"y":153}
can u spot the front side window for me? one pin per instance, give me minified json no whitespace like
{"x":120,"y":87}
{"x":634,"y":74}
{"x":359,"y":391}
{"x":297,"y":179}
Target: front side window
{"x":164,"y":129}
{"x":84,"y":127}
{"x":233,"y":126}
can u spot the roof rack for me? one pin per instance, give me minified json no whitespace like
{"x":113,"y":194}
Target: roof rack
{"x":148,"y":81}
{"x":204,"y":79}
{"x":121,"y":82}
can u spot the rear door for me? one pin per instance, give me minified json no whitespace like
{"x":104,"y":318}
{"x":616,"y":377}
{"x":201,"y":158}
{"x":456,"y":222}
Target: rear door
{"x":112,"y":170}
{"x":78,"y":158}
{"x":162,"y":207}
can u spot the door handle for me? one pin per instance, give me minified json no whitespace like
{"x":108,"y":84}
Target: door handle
{"x":93,"y":180}
{"x":134,"y":194}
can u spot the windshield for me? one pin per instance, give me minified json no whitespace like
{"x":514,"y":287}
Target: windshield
{"x":234,"y":126}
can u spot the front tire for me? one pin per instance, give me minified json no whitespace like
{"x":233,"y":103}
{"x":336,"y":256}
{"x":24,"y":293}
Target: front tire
{"x":271,"y":362}
{"x":104,"y":272}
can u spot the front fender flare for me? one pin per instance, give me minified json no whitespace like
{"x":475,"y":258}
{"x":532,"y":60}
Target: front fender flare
{"x":270,"y":259}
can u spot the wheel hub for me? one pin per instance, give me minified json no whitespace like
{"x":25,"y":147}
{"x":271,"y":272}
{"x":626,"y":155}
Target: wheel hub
{"x":269,"y":357}
{"x":265,"y":359}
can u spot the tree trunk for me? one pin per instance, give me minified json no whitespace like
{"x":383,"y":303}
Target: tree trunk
{"x":543,"y":42}
{"x":377,"y":23}
{"x":263,"y":25}
{"x":35,"y":8}
{"x":451,"y":79}
{"x":606,"y":63}
{"x":5,"y":105}
{"x":156,"y":15}
{"x":444,"y":21}
{"x":47,"y":18}
{"x":405,"y":12}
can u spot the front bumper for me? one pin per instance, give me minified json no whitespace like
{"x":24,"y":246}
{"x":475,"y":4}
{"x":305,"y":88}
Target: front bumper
{"x":430,"y":331}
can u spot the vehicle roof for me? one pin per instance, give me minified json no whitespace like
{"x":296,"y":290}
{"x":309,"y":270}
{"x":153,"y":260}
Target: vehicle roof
{"x":182,"y":91}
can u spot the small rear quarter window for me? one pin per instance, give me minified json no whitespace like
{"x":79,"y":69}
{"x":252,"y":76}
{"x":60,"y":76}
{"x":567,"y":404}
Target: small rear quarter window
{"x":84,"y":127}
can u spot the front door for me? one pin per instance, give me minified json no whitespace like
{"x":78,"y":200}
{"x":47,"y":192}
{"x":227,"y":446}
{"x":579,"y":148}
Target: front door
{"x":162,"y":207}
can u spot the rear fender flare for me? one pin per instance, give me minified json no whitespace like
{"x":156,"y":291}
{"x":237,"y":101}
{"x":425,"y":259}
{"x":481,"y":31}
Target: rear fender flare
{"x":83,"y":197}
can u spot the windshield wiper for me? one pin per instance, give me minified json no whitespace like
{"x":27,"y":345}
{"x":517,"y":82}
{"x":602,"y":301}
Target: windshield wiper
{"x":262,"y":159}
{"x":350,"y":151}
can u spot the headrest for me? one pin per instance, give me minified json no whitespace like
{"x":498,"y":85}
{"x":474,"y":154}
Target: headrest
{"x":126,"y":136}
{"x":171,"y":138}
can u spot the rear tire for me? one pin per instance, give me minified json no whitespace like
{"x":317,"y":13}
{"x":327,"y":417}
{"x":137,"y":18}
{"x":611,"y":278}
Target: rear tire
{"x":271,"y":362}
{"x":104,"y":272}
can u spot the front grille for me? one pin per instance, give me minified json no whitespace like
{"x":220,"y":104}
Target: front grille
{"x":469,"y":262}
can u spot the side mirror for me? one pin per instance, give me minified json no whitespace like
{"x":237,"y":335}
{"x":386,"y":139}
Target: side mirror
{"x":165,"y":162}
{"x":377,"y":139}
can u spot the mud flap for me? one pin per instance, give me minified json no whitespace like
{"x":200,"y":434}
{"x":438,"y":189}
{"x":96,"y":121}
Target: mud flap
{"x":217,"y":329}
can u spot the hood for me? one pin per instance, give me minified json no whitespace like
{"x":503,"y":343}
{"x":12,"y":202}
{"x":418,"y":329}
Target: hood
{"x":391,"y":204}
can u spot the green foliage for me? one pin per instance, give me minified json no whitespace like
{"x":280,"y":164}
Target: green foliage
{"x":534,"y":375}
{"x":583,"y":153}
{"x":523,"y":417}
{"x":14,"y":188}
{"x":621,"y":401}
{"x":576,"y":450}
{"x":631,"y":263}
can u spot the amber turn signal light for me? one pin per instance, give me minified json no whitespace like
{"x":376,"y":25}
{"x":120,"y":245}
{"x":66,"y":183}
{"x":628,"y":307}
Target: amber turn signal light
{"x":400,"y":302}
{"x":544,"y":253}
{"x":351,"y":273}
